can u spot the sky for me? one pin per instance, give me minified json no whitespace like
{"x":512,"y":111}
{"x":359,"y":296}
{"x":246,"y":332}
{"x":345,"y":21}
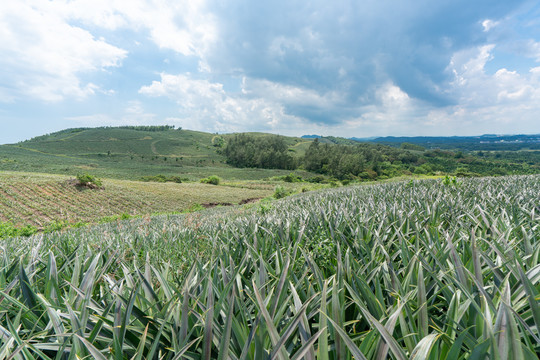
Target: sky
{"x":342,"y":68}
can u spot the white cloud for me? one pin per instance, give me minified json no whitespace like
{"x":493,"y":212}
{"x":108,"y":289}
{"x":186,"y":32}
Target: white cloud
{"x":489,"y":24}
{"x":43,"y":56}
{"x":47,"y":50}
{"x":205,"y":105}
{"x":183,"y":26}
{"x":506,"y":101}
{"x":133,"y":113}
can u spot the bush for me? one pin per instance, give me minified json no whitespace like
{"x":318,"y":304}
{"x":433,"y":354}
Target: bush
{"x":162,"y":178}
{"x":292,"y":178}
{"x":213,"y":180}
{"x":280,"y":192}
{"x":218,"y":141}
{"x":88,"y":180}
{"x":317,"y":179}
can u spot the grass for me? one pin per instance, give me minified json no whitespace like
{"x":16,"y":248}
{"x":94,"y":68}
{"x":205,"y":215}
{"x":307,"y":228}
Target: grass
{"x":420,"y":269}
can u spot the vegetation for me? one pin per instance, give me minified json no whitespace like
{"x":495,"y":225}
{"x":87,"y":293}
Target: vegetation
{"x":467,"y":143}
{"x":39,"y":200}
{"x":127,"y":153}
{"x":270,"y":152}
{"x":88,"y":180}
{"x":422,"y":270}
{"x":280,"y":192}
{"x":158,"y":152}
{"x":212,"y":180}
{"x":162,"y":178}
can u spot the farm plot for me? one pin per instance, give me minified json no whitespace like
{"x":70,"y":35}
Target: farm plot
{"x":422,"y":270}
{"x":38,"y":200}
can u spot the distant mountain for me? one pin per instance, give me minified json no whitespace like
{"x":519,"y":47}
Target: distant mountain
{"x":489,"y":142}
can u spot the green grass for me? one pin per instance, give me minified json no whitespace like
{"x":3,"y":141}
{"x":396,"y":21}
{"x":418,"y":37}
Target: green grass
{"x":418,"y":269}
{"x":130,"y":154}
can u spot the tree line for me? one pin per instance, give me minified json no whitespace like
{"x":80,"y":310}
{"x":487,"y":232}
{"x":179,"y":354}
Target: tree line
{"x":369,"y":161}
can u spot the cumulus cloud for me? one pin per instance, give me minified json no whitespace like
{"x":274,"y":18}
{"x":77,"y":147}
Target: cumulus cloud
{"x":182,"y":26}
{"x":341,"y":68}
{"x":43,"y":56}
{"x":206,"y":105}
{"x":48,"y":50}
{"x":132,"y":113}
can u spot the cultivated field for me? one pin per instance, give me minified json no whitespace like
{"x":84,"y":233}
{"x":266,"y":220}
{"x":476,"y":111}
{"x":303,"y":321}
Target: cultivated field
{"x":420,"y":269}
{"x":40,"y":199}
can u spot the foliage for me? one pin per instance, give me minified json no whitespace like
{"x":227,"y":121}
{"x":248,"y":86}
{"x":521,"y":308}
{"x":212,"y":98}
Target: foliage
{"x":213,"y":180}
{"x":292,"y":178}
{"x":40,"y":199}
{"x":409,"y":146}
{"x":450,"y":181}
{"x":270,"y":152}
{"x":88,"y":180}
{"x":7,"y":229}
{"x":218,"y":141}
{"x":368,"y":272}
{"x":468,"y":143}
{"x":280,"y":192}
{"x":133,"y":155}
{"x":162,"y":178}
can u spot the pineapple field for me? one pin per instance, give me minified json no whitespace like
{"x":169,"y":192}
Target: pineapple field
{"x":428,"y":269}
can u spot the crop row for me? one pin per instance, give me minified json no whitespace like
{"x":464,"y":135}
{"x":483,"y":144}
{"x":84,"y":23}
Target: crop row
{"x":422,"y":270}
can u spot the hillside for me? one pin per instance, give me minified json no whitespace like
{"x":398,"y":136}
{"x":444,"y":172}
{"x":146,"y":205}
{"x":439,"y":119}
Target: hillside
{"x":40,"y":200}
{"x":127,"y":153}
{"x":135,"y":153}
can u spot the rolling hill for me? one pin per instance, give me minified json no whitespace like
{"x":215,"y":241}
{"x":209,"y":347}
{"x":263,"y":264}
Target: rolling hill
{"x":131,"y":153}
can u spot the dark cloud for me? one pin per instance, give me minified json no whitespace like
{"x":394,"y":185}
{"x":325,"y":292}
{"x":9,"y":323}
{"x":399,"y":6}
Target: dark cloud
{"x":351,"y":46}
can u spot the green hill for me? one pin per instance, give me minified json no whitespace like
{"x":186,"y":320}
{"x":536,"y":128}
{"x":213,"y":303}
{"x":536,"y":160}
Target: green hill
{"x":131,"y":153}
{"x":137,"y":152}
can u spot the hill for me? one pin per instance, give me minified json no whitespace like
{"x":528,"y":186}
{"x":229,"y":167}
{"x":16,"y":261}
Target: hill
{"x":147,"y":152}
{"x":131,"y":153}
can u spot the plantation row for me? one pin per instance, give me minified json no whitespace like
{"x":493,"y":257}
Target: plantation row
{"x":422,"y":270}
{"x":39,"y":204}
{"x":42,"y":200}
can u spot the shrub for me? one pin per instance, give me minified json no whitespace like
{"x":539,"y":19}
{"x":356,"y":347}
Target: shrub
{"x":292,"y":178}
{"x":218,"y":141}
{"x":88,"y":180}
{"x":280,"y":192}
{"x":317,"y":179}
{"x":213,"y":180}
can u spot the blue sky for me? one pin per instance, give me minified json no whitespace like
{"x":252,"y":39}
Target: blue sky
{"x":343,"y":68}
